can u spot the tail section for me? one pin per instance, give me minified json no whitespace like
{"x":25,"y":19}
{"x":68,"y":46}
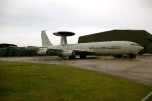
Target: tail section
{"x":45,"y":39}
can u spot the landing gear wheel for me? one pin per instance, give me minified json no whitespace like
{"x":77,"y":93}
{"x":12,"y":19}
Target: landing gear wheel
{"x":83,"y":56}
{"x":124,"y":57}
{"x":118,"y":56}
{"x":131,"y":56}
{"x":72,"y":57}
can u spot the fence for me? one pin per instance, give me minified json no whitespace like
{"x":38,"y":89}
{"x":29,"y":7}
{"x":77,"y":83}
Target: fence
{"x":148,"y":97}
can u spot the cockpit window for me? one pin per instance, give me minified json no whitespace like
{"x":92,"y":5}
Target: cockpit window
{"x":135,"y":44}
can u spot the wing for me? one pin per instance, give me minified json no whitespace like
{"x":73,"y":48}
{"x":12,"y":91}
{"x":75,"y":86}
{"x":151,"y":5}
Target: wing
{"x":60,"y":52}
{"x":54,"y":51}
{"x":85,"y":52}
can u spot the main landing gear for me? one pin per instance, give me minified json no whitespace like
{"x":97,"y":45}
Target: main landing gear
{"x":71,"y":57}
{"x":83,"y":56}
{"x":130,"y":56}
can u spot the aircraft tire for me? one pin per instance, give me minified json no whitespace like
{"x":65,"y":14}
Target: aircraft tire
{"x":83,"y":56}
{"x":72,"y":57}
{"x":124,"y":57}
{"x":118,"y":56}
{"x":131,"y":56}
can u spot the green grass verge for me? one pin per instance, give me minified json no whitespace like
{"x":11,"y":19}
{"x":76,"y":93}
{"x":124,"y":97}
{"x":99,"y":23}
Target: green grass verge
{"x":44,"y":82}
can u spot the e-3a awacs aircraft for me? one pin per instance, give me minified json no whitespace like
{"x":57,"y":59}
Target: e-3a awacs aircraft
{"x":124,"y":49}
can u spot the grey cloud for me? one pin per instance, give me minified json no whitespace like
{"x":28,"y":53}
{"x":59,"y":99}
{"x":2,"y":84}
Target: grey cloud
{"x":53,"y":15}
{"x":57,"y":15}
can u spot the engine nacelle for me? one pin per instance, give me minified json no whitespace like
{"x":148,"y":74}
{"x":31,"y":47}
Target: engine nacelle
{"x":51,"y":52}
{"x":42,"y":51}
{"x":66,"y":53}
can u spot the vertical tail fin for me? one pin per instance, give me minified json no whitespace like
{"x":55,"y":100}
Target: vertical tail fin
{"x":45,"y":39}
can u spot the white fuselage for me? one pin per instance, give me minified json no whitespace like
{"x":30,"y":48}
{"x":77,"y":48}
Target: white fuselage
{"x":103,"y":48}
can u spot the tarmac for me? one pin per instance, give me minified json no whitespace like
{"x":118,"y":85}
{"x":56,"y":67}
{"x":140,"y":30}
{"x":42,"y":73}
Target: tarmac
{"x":138,"y":70}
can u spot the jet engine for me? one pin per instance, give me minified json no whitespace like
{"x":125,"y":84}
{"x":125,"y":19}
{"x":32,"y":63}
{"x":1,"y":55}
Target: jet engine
{"x":51,"y":52}
{"x":46,"y":51}
{"x":42,"y":51}
{"x":68,"y":53}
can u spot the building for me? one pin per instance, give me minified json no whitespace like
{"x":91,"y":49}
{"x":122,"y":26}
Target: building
{"x":4,"y":45}
{"x":13,"y":50}
{"x":141,"y":37}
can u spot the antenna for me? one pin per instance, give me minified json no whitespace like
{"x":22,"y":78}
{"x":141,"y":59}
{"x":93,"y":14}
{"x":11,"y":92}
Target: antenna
{"x":64,"y":35}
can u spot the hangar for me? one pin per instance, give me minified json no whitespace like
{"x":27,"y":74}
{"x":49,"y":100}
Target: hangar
{"x":141,"y":37}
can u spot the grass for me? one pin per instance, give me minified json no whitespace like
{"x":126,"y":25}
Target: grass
{"x":44,"y":82}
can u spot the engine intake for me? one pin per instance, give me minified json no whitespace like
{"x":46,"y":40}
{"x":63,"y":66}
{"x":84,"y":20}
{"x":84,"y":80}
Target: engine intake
{"x":51,"y":52}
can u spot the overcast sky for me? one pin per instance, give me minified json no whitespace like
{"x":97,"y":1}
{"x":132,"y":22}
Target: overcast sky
{"x":21,"y":21}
